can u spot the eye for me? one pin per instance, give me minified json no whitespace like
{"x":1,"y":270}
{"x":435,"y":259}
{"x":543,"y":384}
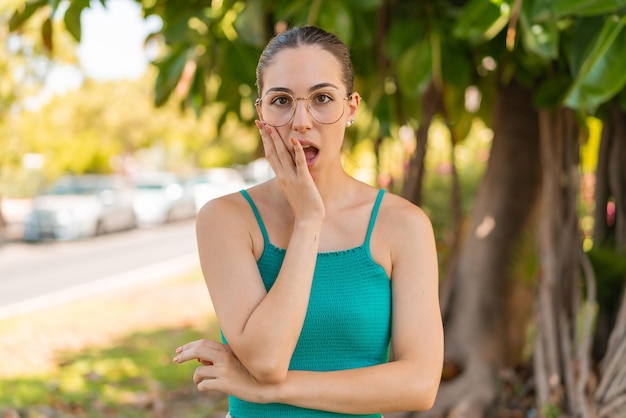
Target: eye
{"x":323,"y":98}
{"x":281,"y":101}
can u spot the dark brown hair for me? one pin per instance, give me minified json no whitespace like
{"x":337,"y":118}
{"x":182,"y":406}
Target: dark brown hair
{"x":302,"y":36}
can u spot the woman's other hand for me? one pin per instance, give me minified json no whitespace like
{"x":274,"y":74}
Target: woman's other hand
{"x":221,"y":371}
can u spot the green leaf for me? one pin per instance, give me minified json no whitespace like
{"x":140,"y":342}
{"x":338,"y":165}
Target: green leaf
{"x":456,"y":67}
{"x":250,"y":24}
{"x":482,"y":20}
{"x":384,"y":114}
{"x":457,"y":116}
{"x":402,"y":35}
{"x":550,"y":92}
{"x":587,"y":7}
{"x":603,"y":72}
{"x":238,"y":63}
{"x":362,"y":4}
{"x":293,"y":11}
{"x":538,"y":10}
{"x":72,"y":17}
{"x":197,"y":96}
{"x":21,"y":16}
{"x":539,"y":35}
{"x":414,"y":69}
{"x":336,"y":18}
{"x":584,"y":33}
{"x":170,"y":69}
{"x":54,"y":4}
{"x":46,"y":34}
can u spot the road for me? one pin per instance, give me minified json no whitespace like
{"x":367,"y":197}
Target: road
{"x":44,"y":274}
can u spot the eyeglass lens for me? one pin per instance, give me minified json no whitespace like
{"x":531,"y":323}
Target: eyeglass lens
{"x":278,"y":108}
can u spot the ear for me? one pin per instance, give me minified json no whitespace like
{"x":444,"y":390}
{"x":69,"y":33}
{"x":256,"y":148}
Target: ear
{"x":257,"y":106}
{"x":353,"y":105}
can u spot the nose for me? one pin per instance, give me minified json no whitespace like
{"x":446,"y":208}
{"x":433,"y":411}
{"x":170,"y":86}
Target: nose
{"x":302,"y":119}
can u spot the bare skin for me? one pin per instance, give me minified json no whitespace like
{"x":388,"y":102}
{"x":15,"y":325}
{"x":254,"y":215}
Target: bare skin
{"x":313,"y":206}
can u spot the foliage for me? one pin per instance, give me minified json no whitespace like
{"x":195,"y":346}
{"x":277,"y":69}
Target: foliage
{"x":569,"y":49}
{"x":113,"y":126}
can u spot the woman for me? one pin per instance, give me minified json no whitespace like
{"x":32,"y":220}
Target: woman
{"x":325,"y":288}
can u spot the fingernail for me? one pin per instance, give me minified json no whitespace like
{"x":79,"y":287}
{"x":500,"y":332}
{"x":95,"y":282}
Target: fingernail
{"x":175,"y":360}
{"x":179,"y":350}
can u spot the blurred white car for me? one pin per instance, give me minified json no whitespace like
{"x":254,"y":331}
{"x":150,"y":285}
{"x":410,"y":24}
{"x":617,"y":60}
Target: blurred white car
{"x":258,"y":171}
{"x":216,"y":182}
{"x":162,"y":197}
{"x":81,"y":206}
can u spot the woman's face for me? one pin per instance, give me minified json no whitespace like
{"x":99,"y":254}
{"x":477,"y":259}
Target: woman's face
{"x":309,"y":71}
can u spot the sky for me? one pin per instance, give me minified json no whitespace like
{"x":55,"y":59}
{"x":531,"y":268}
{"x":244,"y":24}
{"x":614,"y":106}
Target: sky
{"x":111,"y":48}
{"x":112,"y":44}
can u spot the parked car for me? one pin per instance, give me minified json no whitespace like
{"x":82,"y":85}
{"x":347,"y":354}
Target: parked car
{"x":162,"y":197}
{"x":81,"y":206}
{"x":215,"y":182}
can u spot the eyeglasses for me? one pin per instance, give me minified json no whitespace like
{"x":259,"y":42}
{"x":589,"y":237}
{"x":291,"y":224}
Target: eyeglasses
{"x":277,"y":108}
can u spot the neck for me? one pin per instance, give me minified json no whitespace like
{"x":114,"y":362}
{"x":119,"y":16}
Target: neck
{"x":333,"y":188}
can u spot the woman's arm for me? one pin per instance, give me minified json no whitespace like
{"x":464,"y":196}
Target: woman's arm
{"x":262,"y":327}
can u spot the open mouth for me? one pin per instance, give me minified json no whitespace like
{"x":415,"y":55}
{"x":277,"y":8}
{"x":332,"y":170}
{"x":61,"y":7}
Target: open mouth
{"x":310,"y":152}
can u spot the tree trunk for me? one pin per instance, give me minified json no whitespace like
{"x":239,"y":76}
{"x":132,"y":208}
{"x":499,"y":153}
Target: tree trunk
{"x":609,"y":232}
{"x":610,"y":395}
{"x":505,"y":204}
{"x":562,"y":349}
{"x":431,"y":102}
{"x":617,"y":173}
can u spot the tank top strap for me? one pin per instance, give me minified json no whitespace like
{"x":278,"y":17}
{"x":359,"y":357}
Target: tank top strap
{"x":257,"y":215}
{"x":370,"y":227}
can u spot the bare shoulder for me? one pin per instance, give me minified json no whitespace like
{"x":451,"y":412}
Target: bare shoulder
{"x":225,"y":217}
{"x":221,"y":209}
{"x":403,"y":218}
{"x":403,"y":236}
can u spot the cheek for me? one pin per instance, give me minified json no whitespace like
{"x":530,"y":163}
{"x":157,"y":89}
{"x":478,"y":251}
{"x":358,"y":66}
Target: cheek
{"x":284,"y":133}
{"x":335,"y":134}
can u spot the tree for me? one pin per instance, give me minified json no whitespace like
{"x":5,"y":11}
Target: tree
{"x":542,"y":67}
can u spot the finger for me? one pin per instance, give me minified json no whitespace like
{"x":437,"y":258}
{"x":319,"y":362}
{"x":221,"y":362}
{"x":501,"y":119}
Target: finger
{"x":204,"y":350}
{"x":203,"y":373}
{"x":298,"y":154}
{"x":285,"y":154}
{"x":268,"y":145}
{"x":208,"y":385}
{"x":279,"y":156}
{"x":188,"y":346}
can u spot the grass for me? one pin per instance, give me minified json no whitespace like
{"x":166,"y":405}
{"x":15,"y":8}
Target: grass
{"x":109,"y":355}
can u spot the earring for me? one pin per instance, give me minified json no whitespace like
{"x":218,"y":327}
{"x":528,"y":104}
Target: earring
{"x":349,"y":123}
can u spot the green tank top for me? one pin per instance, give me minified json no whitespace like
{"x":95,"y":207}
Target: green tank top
{"x":348,"y":321}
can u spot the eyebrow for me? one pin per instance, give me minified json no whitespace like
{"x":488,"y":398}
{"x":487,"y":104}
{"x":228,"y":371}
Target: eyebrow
{"x":311,"y":89}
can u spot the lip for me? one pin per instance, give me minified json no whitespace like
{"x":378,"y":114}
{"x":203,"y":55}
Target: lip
{"x":305,"y":142}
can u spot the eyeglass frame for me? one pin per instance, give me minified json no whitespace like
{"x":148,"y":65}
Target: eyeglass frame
{"x":258,"y":101}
